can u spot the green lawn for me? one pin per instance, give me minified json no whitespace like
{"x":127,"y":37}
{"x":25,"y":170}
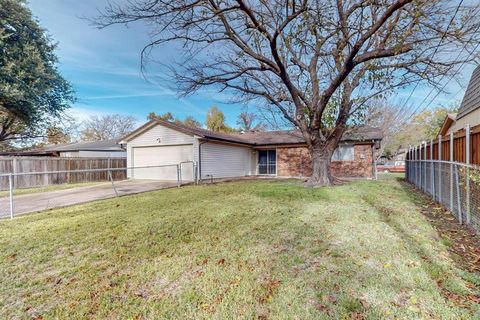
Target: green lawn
{"x":250,"y":249}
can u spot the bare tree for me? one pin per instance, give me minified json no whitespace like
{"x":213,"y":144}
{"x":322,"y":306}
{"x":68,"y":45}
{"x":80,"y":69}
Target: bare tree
{"x":298,"y":55}
{"x":390,"y":119}
{"x":107,"y":127}
{"x":246,"y":122}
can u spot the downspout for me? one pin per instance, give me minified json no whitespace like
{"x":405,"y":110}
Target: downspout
{"x":375,"y":172}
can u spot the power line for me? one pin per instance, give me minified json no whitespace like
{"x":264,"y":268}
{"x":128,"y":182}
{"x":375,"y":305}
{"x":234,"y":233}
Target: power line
{"x":443,"y":76}
{"x":435,"y":52}
{"x":439,"y":91}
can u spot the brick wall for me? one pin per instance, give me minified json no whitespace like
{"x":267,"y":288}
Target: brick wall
{"x":296,"y":161}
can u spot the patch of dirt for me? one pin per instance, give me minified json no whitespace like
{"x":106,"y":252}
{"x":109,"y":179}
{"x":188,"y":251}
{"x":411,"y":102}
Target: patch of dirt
{"x":463,"y":240}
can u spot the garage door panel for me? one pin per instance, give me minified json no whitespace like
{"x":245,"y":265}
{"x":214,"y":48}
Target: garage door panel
{"x":160,"y":156}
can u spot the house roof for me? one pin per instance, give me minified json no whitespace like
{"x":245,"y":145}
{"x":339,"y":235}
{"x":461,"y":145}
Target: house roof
{"x":471,"y":99}
{"x":449,"y":119}
{"x":295,"y":136}
{"x":102,"y":145}
{"x":258,"y":137}
{"x":54,"y":149}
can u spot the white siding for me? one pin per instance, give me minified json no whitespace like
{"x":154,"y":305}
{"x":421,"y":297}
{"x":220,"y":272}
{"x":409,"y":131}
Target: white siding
{"x":224,"y":161}
{"x":103,"y":154}
{"x":472,"y":118}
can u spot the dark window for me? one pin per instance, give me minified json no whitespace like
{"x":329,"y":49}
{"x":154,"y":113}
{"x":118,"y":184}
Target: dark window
{"x":267,"y":162}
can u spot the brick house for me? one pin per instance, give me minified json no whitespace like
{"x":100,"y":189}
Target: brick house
{"x":210,"y":155}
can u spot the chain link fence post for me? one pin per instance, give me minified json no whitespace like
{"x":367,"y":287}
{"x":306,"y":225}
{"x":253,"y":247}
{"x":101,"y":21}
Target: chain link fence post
{"x":432,"y":168}
{"x":440,"y":167}
{"x":451,"y":171}
{"x":110,"y":177}
{"x":467,"y":174}
{"x":10,"y":193}
{"x":459,"y":202}
{"x":416,"y":165}
{"x":179,"y":178}
{"x":424,"y":166}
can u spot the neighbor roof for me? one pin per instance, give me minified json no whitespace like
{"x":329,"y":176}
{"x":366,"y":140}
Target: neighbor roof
{"x":449,"y":119}
{"x":103,"y":145}
{"x":471,"y":99}
{"x":257,"y":137}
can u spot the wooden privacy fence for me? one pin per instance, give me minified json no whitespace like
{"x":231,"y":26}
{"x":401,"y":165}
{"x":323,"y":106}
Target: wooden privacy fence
{"x":17,"y":165}
{"x":458,"y":153}
{"x":448,"y":169}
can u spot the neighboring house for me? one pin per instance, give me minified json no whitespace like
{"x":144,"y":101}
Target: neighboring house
{"x":469,"y":112}
{"x":220,"y":155}
{"x":94,"y":149}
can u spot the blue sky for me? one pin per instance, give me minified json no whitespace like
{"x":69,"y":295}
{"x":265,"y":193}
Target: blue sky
{"x":104,"y":68}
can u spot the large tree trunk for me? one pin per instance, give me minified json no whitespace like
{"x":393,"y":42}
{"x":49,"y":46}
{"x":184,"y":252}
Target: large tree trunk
{"x":321,"y":159}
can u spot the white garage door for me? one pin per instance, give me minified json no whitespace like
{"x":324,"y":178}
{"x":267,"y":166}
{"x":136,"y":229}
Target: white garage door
{"x":159,"y":156}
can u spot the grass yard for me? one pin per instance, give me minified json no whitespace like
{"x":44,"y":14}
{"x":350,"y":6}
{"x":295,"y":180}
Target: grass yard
{"x":249,"y":249}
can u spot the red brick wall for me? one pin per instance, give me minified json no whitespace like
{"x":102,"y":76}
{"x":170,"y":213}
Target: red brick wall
{"x":296,"y":161}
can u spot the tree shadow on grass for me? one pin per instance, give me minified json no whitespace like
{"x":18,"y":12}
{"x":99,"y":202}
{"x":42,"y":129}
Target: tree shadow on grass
{"x":459,"y":240}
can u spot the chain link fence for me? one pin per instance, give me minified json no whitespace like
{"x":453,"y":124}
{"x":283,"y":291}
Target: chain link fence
{"x":85,"y":185}
{"x":456,"y":186}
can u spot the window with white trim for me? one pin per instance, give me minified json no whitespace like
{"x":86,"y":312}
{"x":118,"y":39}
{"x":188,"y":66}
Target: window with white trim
{"x":343,"y":153}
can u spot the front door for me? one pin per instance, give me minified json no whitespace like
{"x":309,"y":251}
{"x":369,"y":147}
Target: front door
{"x":267,"y":162}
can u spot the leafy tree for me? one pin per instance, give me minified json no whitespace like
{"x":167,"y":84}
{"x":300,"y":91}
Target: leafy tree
{"x":216,"y":121}
{"x":57,"y":135}
{"x":188,"y":121}
{"x":106,"y":127}
{"x":296,"y":56}
{"x":192,"y":122}
{"x":166,"y":116}
{"x":400,"y":131}
{"x":246,"y":122}
{"x":33,"y":94}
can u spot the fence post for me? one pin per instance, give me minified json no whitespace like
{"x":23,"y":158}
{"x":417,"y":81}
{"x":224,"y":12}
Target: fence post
{"x":459,"y":202}
{"x":424,"y":166}
{"x":451,"y":171}
{"x":467,"y":174}
{"x":432,"y":166}
{"x":440,"y":168}
{"x":416,"y":168}
{"x":113,"y":184}
{"x":15,"y":170}
{"x":409,"y":163}
{"x":10,"y":193}
{"x":179,"y":179}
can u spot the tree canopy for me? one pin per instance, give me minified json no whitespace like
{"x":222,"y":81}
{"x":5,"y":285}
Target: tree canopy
{"x":215,"y":121}
{"x":296,"y":56}
{"x":168,"y":116}
{"x":33,"y":94}
{"x":106,"y":127}
{"x":248,"y":121}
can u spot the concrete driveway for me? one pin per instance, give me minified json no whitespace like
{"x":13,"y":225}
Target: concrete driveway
{"x":60,"y":198}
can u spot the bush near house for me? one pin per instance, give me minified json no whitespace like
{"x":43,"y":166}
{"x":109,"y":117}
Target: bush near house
{"x":251,"y":249}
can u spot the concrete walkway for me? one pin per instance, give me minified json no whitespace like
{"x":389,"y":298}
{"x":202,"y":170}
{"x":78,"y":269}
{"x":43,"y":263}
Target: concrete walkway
{"x":60,"y":198}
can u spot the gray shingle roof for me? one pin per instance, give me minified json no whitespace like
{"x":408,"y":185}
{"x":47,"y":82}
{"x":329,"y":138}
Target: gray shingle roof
{"x":295,"y":136}
{"x":471,"y":99}
{"x":282,"y":137}
{"x":103,"y":145}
